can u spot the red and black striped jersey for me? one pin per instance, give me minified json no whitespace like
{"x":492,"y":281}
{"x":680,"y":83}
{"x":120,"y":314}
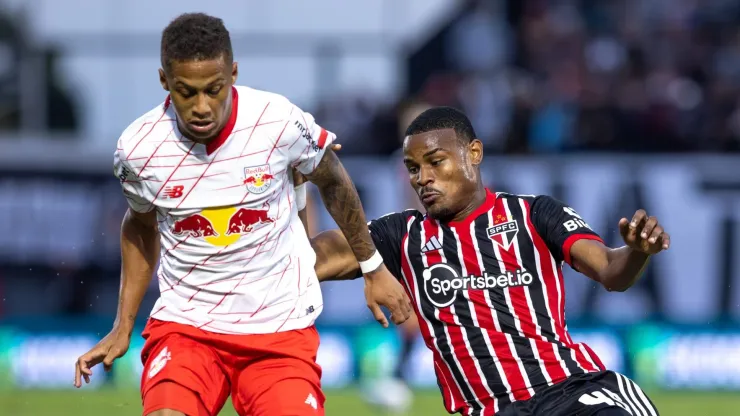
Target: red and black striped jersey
{"x":490,"y":298}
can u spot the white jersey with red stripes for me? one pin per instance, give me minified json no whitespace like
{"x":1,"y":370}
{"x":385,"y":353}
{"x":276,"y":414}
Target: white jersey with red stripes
{"x":235,"y":258}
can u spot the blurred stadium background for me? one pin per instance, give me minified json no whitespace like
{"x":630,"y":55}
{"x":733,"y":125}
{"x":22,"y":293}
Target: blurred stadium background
{"x":609,"y":105}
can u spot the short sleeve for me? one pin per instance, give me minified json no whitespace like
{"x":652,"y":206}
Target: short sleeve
{"x":133,"y":187}
{"x":560,"y":226}
{"x":305,"y":141}
{"x":387,"y":233}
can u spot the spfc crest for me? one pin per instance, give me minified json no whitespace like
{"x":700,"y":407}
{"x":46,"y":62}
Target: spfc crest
{"x":258,"y":178}
{"x":506,"y":231}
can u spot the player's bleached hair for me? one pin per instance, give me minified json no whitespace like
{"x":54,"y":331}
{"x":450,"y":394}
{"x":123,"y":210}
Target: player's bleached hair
{"x":195,"y":37}
{"x":438,"y":118}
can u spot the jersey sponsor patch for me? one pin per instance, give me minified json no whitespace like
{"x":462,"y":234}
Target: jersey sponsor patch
{"x":258,"y":178}
{"x":221,"y":226}
{"x":575,"y":221}
{"x":442,"y":282}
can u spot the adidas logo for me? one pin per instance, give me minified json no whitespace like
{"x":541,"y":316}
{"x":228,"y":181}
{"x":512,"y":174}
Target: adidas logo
{"x":431,"y":245}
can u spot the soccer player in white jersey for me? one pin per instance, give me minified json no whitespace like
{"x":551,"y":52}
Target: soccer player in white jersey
{"x":208,"y":178}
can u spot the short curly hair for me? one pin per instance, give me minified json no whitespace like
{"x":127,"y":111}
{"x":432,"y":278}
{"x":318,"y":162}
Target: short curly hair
{"x":195,"y":37}
{"x":439,"y":118}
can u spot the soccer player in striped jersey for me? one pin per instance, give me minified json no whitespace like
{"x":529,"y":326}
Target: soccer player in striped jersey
{"x":484,"y":272}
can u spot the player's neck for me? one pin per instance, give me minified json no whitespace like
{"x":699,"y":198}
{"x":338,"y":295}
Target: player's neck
{"x":204,"y":142}
{"x":479,"y":198}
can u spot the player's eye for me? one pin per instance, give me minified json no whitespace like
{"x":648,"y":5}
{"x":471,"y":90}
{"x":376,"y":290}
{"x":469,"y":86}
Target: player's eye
{"x":185,"y":92}
{"x":215,"y":90}
{"x":437,"y":162}
{"x":412,"y":169}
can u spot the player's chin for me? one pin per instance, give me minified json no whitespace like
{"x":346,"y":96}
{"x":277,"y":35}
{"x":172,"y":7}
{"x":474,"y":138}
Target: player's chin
{"x":437,"y":210}
{"x":202,"y":134}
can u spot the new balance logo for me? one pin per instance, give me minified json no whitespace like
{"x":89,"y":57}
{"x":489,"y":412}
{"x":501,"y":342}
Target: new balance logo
{"x":431,"y":245}
{"x":173,"y":192}
{"x":311,"y":401}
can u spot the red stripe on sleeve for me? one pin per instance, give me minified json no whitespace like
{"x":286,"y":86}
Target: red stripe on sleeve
{"x":322,"y":138}
{"x":568,"y":244}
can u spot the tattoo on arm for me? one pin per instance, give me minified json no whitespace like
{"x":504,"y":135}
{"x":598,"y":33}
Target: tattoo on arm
{"x":343,"y":203}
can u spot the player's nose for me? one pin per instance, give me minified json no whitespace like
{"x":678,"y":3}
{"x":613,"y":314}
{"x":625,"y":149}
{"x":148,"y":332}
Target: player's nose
{"x":424,"y":177}
{"x":202,"y":108}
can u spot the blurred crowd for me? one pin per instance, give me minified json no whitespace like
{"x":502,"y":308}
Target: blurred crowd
{"x":535,"y":76}
{"x":546,"y":76}
{"x":25,"y":64}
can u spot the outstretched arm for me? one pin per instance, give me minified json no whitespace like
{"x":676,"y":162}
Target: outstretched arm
{"x":617,"y":269}
{"x":307,"y":146}
{"x":334,"y":257}
{"x":343,"y":203}
{"x":336,"y":261}
{"x":572,"y":240}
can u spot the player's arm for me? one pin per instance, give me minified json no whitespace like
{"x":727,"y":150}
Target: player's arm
{"x":343,"y":203}
{"x":570,"y":239}
{"x":139,"y":255}
{"x":335,"y":259}
{"x":301,"y":194}
{"x":308,"y":148}
{"x":139,"y":242}
{"x":619,"y":268}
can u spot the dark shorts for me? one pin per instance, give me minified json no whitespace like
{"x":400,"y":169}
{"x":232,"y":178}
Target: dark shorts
{"x":605,"y":393}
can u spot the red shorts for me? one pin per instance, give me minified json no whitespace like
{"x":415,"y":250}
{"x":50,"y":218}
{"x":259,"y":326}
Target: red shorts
{"x":193,"y":371}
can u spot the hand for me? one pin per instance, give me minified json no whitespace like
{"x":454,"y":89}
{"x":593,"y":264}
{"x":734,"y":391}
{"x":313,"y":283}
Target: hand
{"x":299,"y":178}
{"x":113,"y":346}
{"x":644,"y":234}
{"x":383,"y":289}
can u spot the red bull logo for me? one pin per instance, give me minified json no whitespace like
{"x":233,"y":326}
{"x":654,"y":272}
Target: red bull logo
{"x":221,"y":226}
{"x":258,"y":179}
{"x":196,"y":226}
{"x":245,"y":219}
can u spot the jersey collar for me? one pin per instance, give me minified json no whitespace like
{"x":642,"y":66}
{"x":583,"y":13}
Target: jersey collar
{"x":486,"y":206}
{"x":229,"y":127}
{"x":224,"y":134}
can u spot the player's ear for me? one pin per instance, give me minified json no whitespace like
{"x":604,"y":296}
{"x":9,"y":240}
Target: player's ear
{"x":163,"y":80}
{"x":234,"y":72}
{"x":475,"y":152}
